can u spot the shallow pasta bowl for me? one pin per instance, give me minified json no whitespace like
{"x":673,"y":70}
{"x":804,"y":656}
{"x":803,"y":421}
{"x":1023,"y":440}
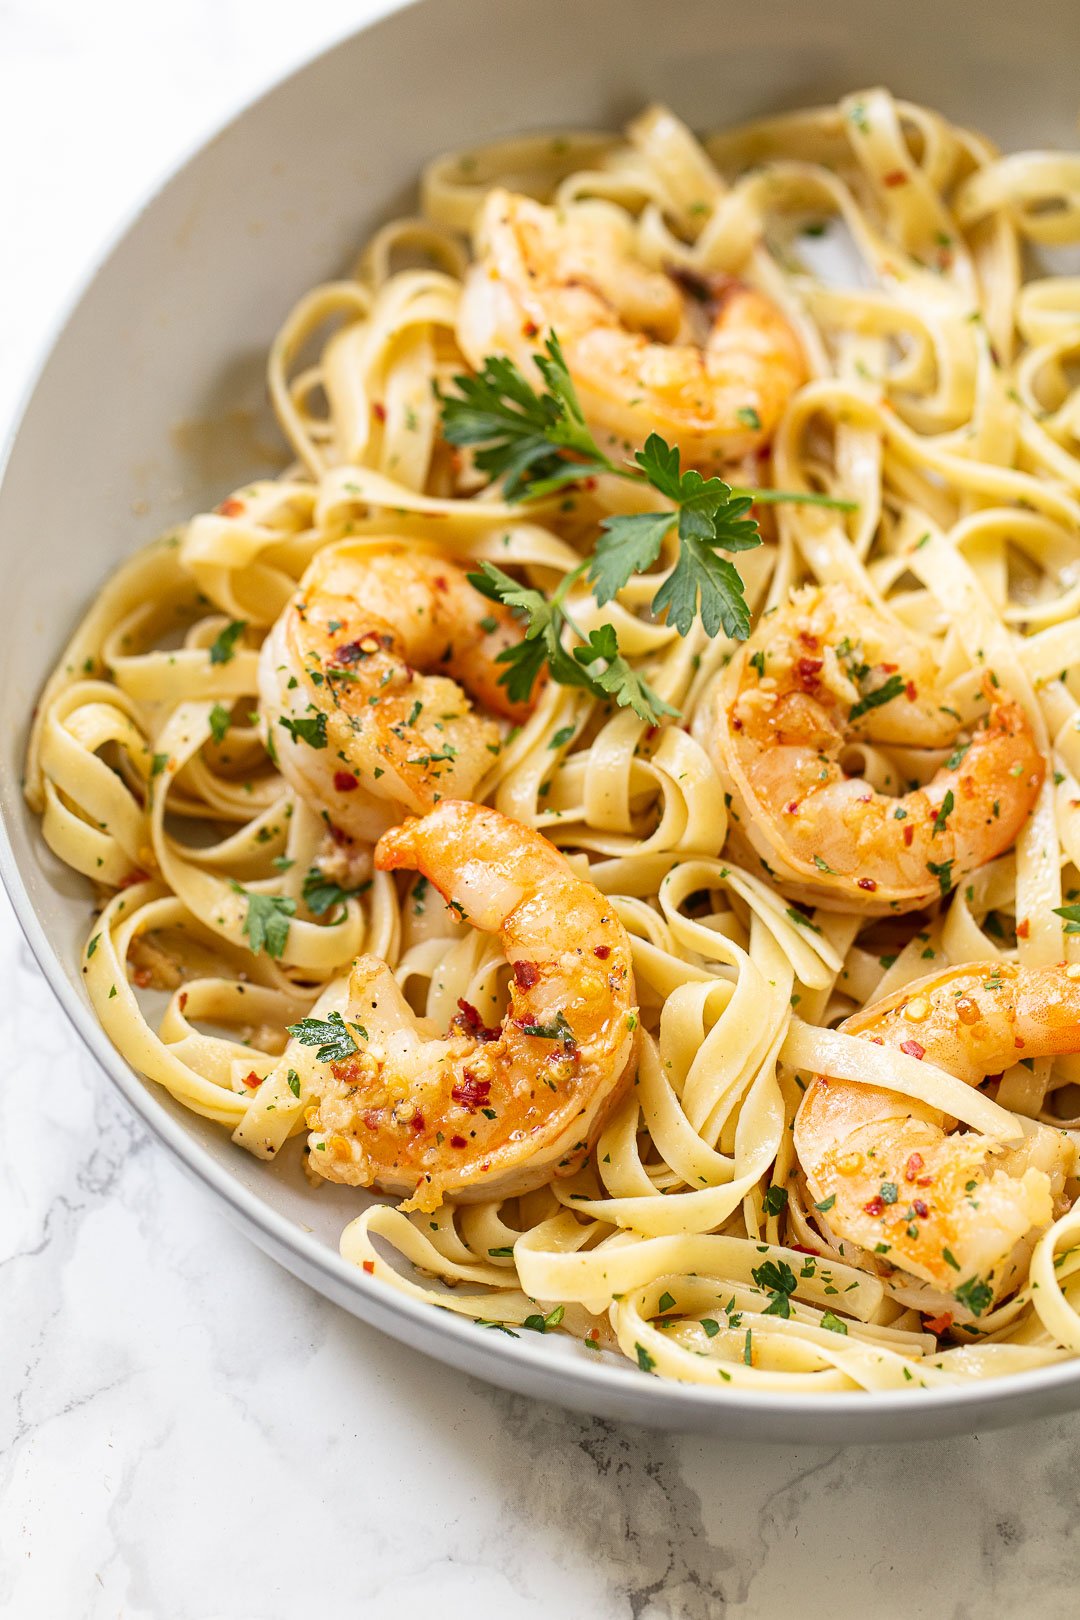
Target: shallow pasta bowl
{"x":147,"y":409}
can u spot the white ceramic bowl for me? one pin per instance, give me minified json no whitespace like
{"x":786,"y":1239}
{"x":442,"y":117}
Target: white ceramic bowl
{"x":172,"y":329}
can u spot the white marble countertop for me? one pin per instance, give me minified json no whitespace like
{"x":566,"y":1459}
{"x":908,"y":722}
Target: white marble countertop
{"x":185,"y":1431}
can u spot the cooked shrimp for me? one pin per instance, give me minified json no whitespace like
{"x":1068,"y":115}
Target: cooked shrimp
{"x":628,"y":332}
{"x":950,"y":1209}
{"x":479,"y":1112}
{"x":356,"y":691}
{"x":823,"y":673}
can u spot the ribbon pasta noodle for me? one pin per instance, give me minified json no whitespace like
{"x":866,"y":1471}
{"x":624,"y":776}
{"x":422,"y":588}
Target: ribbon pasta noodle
{"x":941,"y":409}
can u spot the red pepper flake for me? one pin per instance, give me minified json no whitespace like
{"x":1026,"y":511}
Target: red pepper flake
{"x":938,"y":1324}
{"x":868,"y":884}
{"x":913,"y":1049}
{"x":530,"y":329}
{"x":925,"y":1181}
{"x":800,"y":1248}
{"x":252,"y":1079}
{"x":913,"y":1166}
{"x":909,"y":834}
{"x":1019,"y":1043}
{"x":876,"y":1205}
{"x":380,"y":411}
{"x":602,"y":951}
{"x":345,"y":781}
{"x":895,"y":177}
{"x":417,"y":1121}
{"x":182,"y":1000}
{"x":471,"y":1093}
{"x":792,"y":807}
{"x":143,"y":978}
{"x":1023,"y":929}
{"x":911,"y":691}
{"x":372,"y":1119}
{"x":736,"y":723}
{"x":369,"y":1267}
{"x":136,"y":875}
{"x":808,"y":670}
{"x":920,"y":1208}
{"x":231,"y":508}
{"x":526,"y":974}
{"x":888,"y":669}
{"x":470,"y":1022}
{"x":458,"y":1142}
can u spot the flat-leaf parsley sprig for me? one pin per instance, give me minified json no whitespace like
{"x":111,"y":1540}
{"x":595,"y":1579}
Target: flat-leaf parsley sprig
{"x":538,"y":443}
{"x":596,"y":665}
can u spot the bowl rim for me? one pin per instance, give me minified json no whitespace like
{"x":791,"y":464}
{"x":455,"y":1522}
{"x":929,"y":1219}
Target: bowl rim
{"x":382,"y":1306}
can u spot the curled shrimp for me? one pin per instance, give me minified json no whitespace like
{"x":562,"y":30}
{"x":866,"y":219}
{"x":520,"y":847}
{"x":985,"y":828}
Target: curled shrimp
{"x":706,"y":362}
{"x":479,"y":1112}
{"x":825,"y":672}
{"x":955,"y":1210}
{"x":358,"y":685}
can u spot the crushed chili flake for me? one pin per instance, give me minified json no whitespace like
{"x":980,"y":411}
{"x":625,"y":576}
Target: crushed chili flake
{"x":913,"y":1166}
{"x":913,"y":1049}
{"x":530,"y":329}
{"x":792,"y":806}
{"x":230,"y":508}
{"x":369,"y":1267}
{"x":875,"y":1206}
{"x":911,"y":691}
{"x":183,"y":1000}
{"x":458,"y":1142}
{"x":895,"y":177}
{"x":380,"y":411}
{"x":867,"y":883}
{"x":470,"y":1092}
{"x":938,"y":1324}
{"x":252,"y":1079}
{"x":136,"y":875}
{"x":526,"y":974}
{"x":602,"y":951}
{"x":143,"y":978}
{"x":909,"y":834}
{"x":808,"y":670}
{"x":920,"y":1207}
{"x":417,"y":1121}
{"x":345,"y":781}
{"x":470,"y":1022}
{"x":1023,"y":929}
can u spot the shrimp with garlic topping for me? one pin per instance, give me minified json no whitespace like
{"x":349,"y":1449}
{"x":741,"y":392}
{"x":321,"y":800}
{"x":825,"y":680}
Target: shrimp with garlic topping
{"x":821,"y":674}
{"x":481,"y":1112}
{"x":705,"y":361}
{"x":359,"y":685}
{"x":952,"y":1208}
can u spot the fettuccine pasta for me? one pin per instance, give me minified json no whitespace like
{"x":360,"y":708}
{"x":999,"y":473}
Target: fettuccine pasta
{"x":921,"y":373}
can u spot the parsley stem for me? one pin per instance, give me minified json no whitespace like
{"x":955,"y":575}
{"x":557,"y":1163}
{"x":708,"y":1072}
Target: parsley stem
{"x":790,"y":497}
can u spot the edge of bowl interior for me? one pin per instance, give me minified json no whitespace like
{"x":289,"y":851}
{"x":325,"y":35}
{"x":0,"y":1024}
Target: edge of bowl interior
{"x":544,"y":1368}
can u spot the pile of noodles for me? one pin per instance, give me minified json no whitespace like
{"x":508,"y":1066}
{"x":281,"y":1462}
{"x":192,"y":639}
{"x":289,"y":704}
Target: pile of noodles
{"x":914,"y":263}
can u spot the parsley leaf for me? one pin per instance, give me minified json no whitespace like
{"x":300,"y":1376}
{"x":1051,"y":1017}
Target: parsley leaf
{"x":1071,"y":914}
{"x":220,"y":722}
{"x":833,"y":1323}
{"x":709,"y":514}
{"x":882,"y":694}
{"x":779,"y":1282}
{"x":975,"y":1294}
{"x":311,"y":729}
{"x":223,"y":649}
{"x":520,"y":435}
{"x":543,"y":647}
{"x":267,"y":921}
{"x":331,"y":1035}
{"x":775,"y":1200}
{"x":321,"y":893}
